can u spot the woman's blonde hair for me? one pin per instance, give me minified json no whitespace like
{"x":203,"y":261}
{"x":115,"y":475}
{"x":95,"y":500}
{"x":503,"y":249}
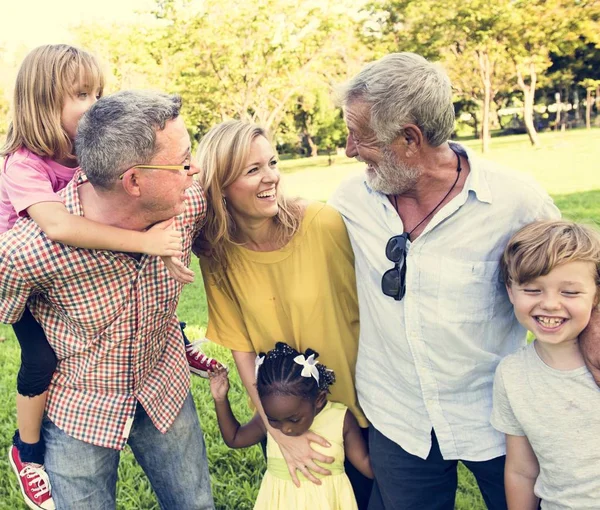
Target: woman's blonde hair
{"x":47,"y":75}
{"x":222,"y":155}
{"x":539,"y":247}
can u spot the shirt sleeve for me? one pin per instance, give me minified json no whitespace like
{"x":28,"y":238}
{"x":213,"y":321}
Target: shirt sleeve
{"x":226,"y":325}
{"x":548,"y":210}
{"x":334,"y":226}
{"x":503,"y":418}
{"x":195,"y":208}
{"x":14,"y":289}
{"x":27,"y":185}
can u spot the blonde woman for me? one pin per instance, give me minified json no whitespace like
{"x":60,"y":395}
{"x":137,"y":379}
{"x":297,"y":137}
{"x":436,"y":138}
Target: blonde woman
{"x":276,"y":269}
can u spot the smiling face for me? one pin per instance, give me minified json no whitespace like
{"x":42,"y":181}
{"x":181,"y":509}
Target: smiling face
{"x":386,"y":171}
{"x":253,"y":195}
{"x":291,"y":414}
{"x":556,"y":307}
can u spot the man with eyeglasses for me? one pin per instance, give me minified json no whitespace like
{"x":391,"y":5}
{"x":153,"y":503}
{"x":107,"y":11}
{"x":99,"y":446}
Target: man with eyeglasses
{"x":428,"y":222}
{"x":122,"y":375}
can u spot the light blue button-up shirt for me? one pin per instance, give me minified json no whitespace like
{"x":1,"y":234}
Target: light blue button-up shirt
{"x":428,"y":361}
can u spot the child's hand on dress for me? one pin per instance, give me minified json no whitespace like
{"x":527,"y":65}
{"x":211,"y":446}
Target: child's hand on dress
{"x":219,"y":383}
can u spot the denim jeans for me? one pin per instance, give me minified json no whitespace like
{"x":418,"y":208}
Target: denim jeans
{"x":404,"y":481}
{"x":85,"y":476}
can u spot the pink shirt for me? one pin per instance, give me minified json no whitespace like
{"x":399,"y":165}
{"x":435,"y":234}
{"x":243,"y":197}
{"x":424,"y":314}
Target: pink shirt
{"x":28,"y":179}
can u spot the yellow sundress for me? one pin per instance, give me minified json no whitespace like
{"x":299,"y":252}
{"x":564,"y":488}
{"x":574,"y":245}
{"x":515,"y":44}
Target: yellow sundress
{"x":278,"y":492}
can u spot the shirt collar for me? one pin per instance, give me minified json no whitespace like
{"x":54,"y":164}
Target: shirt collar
{"x":476,"y":181}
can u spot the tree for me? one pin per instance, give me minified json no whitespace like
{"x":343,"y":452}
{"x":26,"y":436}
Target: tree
{"x":539,"y":28}
{"x":252,"y":60}
{"x":591,"y":86}
{"x":467,"y":36}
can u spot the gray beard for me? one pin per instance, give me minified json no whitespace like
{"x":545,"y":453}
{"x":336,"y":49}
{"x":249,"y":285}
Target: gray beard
{"x":393,"y":177}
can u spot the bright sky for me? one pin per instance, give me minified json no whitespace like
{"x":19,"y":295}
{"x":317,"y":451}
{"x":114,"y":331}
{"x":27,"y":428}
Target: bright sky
{"x":30,"y":23}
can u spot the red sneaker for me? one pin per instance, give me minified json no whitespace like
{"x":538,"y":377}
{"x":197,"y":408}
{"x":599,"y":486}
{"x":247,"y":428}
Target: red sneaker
{"x":200,"y":364}
{"x":33,"y":481}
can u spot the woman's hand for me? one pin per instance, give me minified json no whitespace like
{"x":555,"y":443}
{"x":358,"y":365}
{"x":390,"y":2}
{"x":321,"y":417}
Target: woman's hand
{"x":299,"y":455}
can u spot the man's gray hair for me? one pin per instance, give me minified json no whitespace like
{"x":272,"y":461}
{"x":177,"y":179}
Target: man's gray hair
{"x":404,"y":88}
{"x":119,"y":131}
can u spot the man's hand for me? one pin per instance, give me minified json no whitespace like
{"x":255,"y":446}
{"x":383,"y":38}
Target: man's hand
{"x":299,"y":455}
{"x":589,"y":342}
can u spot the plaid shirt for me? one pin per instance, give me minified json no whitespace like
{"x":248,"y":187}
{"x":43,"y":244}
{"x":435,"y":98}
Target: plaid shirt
{"x":111,"y":321}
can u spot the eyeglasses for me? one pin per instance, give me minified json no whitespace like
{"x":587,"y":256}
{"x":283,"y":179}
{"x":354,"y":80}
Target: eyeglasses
{"x":172,"y":168}
{"x":393,"y":281}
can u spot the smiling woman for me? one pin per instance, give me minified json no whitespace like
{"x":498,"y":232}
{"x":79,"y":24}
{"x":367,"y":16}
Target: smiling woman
{"x":276,"y":269}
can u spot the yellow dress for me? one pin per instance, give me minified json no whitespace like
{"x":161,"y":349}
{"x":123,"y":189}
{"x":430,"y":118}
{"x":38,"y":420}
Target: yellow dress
{"x":278,"y":492}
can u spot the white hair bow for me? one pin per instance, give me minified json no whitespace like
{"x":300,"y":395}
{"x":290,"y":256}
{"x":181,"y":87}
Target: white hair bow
{"x":309,"y":365}
{"x":257,"y":363}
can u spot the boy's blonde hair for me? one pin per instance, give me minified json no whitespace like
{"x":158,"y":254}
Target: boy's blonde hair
{"x":222,"y":154}
{"x":47,"y":75}
{"x":539,"y":247}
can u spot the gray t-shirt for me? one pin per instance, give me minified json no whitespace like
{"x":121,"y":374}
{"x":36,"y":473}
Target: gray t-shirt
{"x":559,"y":412}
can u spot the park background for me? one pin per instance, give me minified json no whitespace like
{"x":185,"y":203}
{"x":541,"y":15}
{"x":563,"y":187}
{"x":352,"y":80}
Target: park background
{"x":526,"y":77}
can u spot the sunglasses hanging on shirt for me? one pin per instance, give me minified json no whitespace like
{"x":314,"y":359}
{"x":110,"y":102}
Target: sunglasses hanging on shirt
{"x":393,"y":281}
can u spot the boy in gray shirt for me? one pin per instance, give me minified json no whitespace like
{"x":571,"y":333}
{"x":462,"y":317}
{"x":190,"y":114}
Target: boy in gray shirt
{"x":545,"y":399}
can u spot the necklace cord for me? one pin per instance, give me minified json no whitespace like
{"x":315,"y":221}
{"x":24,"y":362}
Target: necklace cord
{"x":458,"y":169}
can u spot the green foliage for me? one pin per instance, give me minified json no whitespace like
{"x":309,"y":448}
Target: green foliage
{"x":259,"y":61}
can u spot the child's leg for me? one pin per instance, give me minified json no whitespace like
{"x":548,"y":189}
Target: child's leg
{"x":186,"y":342}
{"x":38,"y":363}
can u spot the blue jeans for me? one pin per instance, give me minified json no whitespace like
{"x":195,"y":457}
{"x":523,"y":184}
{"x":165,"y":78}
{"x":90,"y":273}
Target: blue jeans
{"x":404,"y":481}
{"x":85,"y":476}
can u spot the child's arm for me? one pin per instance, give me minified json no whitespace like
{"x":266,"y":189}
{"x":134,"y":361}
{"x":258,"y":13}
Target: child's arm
{"x":355,"y":447}
{"x":234,"y":434}
{"x":520,"y":473}
{"x":61,"y":226}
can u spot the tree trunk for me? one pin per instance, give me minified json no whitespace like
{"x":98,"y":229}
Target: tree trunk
{"x":485,"y":73}
{"x":529,"y":97}
{"x":588,"y":109}
{"x":311,"y":145}
{"x":558,"y":99}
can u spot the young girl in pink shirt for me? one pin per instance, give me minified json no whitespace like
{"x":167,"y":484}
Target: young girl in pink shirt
{"x":55,"y":85}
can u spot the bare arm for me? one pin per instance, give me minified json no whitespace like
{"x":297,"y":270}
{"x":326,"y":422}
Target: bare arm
{"x":234,"y":434}
{"x":355,"y":447}
{"x":589,"y":342}
{"x":296,"y":451}
{"x":61,"y":226}
{"x":520,"y":474}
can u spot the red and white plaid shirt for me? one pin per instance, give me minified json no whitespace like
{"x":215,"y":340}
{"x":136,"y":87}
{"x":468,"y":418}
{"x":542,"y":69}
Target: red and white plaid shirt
{"x":111,"y":321}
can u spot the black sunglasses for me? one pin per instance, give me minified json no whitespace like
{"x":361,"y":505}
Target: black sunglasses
{"x":393,"y":282}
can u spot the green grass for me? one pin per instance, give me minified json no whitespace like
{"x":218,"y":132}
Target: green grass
{"x":566,"y":166}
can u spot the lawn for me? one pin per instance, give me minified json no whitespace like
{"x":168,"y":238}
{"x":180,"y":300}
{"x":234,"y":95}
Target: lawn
{"x":566,"y":166}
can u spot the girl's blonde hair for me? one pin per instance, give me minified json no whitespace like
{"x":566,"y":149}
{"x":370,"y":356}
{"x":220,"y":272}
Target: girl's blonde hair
{"x":537,"y":248}
{"x":222,"y":155}
{"x":47,"y":75}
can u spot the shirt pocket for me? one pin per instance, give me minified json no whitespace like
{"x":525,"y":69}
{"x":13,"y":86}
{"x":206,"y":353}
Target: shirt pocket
{"x":467,"y":290}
